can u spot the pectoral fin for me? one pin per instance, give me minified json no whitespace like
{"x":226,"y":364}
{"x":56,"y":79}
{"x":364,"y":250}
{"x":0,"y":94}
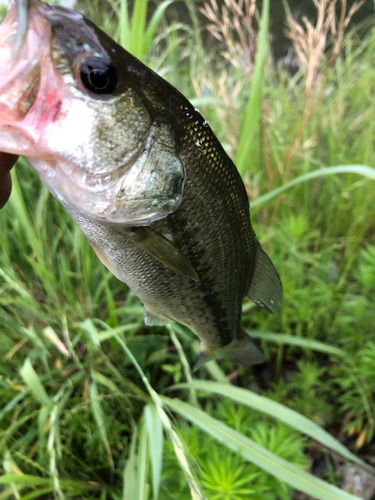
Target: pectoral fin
{"x":163,"y":250}
{"x":266,"y":288}
{"x":154,"y":319}
{"x":241,"y":352}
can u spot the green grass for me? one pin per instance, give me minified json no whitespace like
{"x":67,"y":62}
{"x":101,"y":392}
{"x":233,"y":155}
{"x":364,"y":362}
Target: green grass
{"x":85,"y":387}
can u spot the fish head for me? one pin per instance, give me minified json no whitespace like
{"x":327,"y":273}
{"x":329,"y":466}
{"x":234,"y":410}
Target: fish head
{"x":71,"y":101}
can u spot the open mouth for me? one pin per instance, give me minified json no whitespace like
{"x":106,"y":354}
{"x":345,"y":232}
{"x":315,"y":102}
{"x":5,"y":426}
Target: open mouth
{"x":66,"y":132}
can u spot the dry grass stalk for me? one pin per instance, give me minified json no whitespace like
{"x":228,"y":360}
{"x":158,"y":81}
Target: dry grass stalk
{"x":232,"y":24}
{"x":310,"y":42}
{"x":226,"y":112}
{"x":339,"y":30}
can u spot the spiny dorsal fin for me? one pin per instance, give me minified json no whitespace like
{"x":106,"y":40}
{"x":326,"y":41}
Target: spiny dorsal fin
{"x":241,"y":352}
{"x":266,"y":288}
{"x":163,"y":250}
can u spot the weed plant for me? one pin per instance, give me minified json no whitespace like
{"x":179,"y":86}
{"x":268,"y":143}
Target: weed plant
{"x":94,"y":404}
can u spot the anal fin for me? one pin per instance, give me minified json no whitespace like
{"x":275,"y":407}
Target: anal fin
{"x":154,"y":319}
{"x":266,"y":288}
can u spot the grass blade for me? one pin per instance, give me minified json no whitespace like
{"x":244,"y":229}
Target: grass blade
{"x":154,"y":23}
{"x":124,"y":25}
{"x":183,"y":459}
{"x":184,"y":362}
{"x":90,"y":328}
{"x":100,"y":420}
{"x":18,"y":204}
{"x":138,"y":28}
{"x":101,"y":379}
{"x":37,"y":493}
{"x":278,"y":411}
{"x":340,"y":169}
{"x":142,"y":462}
{"x":212,"y":366}
{"x":129,"y":475}
{"x":9,"y":467}
{"x":258,"y":455}
{"x":31,"y":378}
{"x":281,"y":338}
{"x":154,"y":428}
{"x":250,"y":123}
{"x":24,"y":479}
{"x":34,"y":481}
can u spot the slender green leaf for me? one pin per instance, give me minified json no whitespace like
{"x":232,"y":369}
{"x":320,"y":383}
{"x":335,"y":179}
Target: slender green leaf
{"x":184,"y":362}
{"x":24,"y":479}
{"x":18,"y":204}
{"x":216,"y":372}
{"x":102,"y":379}
{"x":138,"y":28}
{"x":154,"y":23}
{"x":142,"y":463}
{"x":250,"y":123}
{"x":31,"y":378}
{"x":29,"y":480}
{"x":90,"y":328}
{"x":180,"y":451}
{"x":212,"y":366}
{"x":278,"y":411}
{"x":42,"y":427}
{"x":271,"y":463}
{"x":124,"y":25}
{"x":39,"y":493}
{"x":13,"y":402}
{"x":100,"y":420}
{"x":281,"y":338}
{"x":129,"y":476}
{"x":322,"y":172}
{"x":8,"y":465}
{"x":154,"y":428}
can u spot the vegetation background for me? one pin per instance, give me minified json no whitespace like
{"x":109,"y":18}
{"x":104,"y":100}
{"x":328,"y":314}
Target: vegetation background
{"x":93,"y":404}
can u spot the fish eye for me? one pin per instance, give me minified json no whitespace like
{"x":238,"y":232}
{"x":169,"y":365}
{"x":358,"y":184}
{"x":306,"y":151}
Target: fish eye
{"x":98,"y":76}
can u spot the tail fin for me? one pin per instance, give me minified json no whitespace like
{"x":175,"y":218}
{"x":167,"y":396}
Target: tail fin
{"x":266,"y":288}
{"x":241,"y":352}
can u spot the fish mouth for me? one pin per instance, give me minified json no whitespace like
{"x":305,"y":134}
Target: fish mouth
{"x":19,"y":79}
{"x":44,"y":117}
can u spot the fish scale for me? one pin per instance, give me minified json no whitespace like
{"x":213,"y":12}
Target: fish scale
{"x":141,"y":173}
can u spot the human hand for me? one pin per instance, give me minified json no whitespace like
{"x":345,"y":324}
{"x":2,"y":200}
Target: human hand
{"x":7,"y":161}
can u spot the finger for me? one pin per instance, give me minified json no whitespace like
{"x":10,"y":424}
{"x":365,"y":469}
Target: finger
{"x":5,"y":189}
{"x":7,"y":161}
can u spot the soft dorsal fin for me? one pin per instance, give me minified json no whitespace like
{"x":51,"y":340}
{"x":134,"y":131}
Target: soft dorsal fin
{"x":163,"y":250}
{"x":266,"y":288}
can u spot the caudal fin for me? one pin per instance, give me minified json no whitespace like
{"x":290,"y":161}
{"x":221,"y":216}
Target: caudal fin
{"x":266,"y":288}
{"x":241,"y":352}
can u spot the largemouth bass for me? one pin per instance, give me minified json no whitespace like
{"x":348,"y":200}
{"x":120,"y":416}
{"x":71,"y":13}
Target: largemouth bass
{"x":139,"y":170}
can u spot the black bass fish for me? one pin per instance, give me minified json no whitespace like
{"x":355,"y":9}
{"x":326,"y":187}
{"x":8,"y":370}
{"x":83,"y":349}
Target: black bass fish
{"x":139,"y":170}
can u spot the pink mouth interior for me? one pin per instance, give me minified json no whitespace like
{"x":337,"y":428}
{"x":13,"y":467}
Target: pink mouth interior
{"x":29,"y":95}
